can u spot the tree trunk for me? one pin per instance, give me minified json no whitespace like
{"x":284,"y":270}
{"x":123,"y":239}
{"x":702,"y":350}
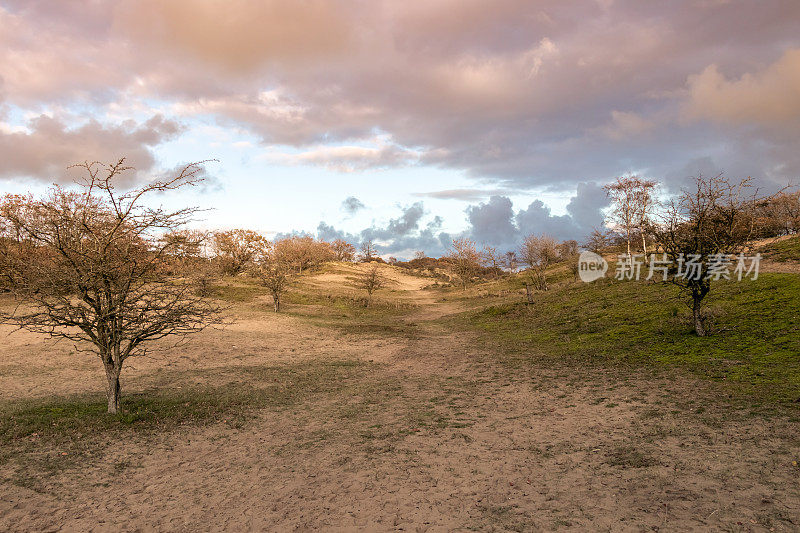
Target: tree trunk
{"x":697,"y":314}
{"x":112,"y":387}
{"x":528,"y":293}
{"x":644,"y":245}
{"x":277,"y":301}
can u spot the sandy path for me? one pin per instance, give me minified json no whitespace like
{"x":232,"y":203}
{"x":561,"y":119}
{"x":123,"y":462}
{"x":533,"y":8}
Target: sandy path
{"x":501,"y":450}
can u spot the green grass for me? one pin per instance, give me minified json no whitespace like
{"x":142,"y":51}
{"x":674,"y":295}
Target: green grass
{"x":783,"y":251}
{"x":755,"y":340}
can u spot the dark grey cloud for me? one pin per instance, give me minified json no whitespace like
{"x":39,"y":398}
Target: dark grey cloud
{"x":494,"y":222}
{"x":398,"y":228}
{"x":497,"y":224}
{"x":351,"y":205}
{"x":402,"y":235}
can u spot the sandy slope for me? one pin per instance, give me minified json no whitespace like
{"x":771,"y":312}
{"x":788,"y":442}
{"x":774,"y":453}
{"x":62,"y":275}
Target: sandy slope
{"x":520,"y":451}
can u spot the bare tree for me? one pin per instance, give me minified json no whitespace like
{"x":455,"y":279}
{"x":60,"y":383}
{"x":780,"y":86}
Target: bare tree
{"x":701,"y":229}
{"x":465,"y":259}
{"x":370,"y":281}
{"x":632,"y":203}
{"x":419,"y":254}
{"x":236,"y":249}
{"x":510,"y":261}
{"x":302,"y":252}
{"x":567,"y":249}
{"x":343,"y":250}
{"x":645,"y":204}
{"x":597,"y":241}
{"x":274,"y":273}
{"x":568,"y":252}
{"x":368,"y":251}
{"x":538,"y":253}
{"x":780,"y":215}
{"x":490,"y":258}
{"x":89,"y":267}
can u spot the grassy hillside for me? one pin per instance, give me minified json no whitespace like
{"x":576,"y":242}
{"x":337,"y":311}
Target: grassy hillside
{"x":784,"y":250}
{"x":755,"y":339}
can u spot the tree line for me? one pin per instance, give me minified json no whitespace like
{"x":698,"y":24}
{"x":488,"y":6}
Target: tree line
{"x":104,"y":269}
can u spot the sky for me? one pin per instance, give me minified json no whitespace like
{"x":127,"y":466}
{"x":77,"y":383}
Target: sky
{"x":406,"y":122}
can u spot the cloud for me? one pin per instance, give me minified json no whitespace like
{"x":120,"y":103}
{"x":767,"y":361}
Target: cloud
{"x":494,"y":223}
{"x":238,"y":35}
{"x":402,"y":235}
{"x":47,"y":147}
{"x":769,"y":97}
{"x":466,"y":195}
{"x":514,"y":93}
{"x":401,"y":226}
{"x":625,"y":125}
{"x":497,"y":224}
{"x":351,"y":205}
{"x":586,"y":207}
{"x":350,"y":158}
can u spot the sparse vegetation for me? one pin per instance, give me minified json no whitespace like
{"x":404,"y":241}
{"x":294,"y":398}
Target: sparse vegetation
{"x":603,"y":378}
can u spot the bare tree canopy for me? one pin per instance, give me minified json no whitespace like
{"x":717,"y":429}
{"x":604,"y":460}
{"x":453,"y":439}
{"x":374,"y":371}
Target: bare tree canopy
{"x":91,"y":267}
{"x":632,"y":203}
{"x":235,"y":250}
{"x":370,"y":281}
{"x":302,"y":252}
{"x":274,"y":271}
{"x":538,"y":253}
{"x":343,"y":250}
{"x":597,"y":240}
{"x":706,"y":225}
{"x":368,"y":251}
{"x":465,"y":258}
{"x":510,"y":261}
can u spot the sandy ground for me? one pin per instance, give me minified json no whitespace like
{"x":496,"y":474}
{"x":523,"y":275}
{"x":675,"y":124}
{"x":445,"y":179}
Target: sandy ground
{"x":519,"y":451}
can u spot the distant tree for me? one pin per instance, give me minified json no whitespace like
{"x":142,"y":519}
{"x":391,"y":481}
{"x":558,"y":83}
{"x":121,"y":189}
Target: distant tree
{"x":465,"y":259}
{"x":186,"y":245}
{"x":632,"y":203}
{"x":368,"y":251}
{"x":568,"y":252}
{"x":370,"y":281}
{"x":419,"y":254}
{"x":343,"y":250}
{"x":13,"y":242}
{"x":597,"y":241}
{"x":779,"y":215}
{"x":90,"y":268}
{"x":700,"y":231}
{"x":490,"y":258}
{"x":274,"y":273}
{"x":235,"y":250}
{"x":510,"y":261}
{"x":538,"y":253}
{"x":302,"y":252}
